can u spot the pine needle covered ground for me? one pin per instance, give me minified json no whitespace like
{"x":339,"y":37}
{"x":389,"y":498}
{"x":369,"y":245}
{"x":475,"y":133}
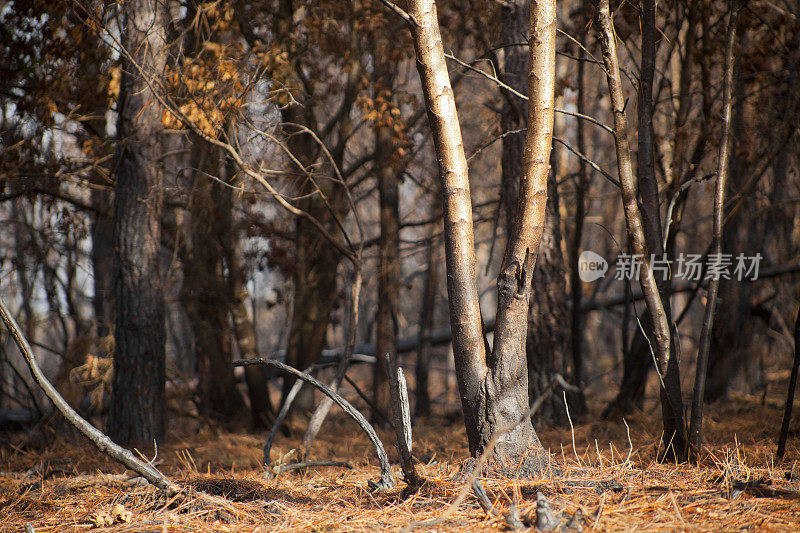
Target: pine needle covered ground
{"x":616,"y":484}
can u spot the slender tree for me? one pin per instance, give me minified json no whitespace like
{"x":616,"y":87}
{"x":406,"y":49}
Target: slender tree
{"x":659,"y":332}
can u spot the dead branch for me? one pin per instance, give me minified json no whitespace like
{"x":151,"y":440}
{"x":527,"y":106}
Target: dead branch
{"x":98,"y":438}
{"x":386,"y":481}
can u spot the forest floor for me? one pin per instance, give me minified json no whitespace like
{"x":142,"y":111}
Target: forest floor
{"x":613,"y":480}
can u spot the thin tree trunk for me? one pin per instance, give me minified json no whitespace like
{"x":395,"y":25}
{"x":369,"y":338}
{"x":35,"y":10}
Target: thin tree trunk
{"x":674,"y":437}
{"x":137,"y":402}
{"x":261,"y":409}
{"x":787,"y":410}
{"x":581,"y":193}
{"x":422,"y":405}
{"x":388,"y":273}
{"x":696,"y":427}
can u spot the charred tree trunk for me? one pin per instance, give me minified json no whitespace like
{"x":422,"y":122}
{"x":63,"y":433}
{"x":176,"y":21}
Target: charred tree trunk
{"x":644,"y":231}
{"x":205,"y":292}
{"x":696,"y":428}
{"x":547,"y":342}
{"x":735,"y":324}
{"x":388,"y":273}
{"x":422,"y":405}
{"x":137,"y":404}
{"x":493,"y":386}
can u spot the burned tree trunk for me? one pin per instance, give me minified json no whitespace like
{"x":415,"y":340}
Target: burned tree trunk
{"x":493,"y":386}
{"x":205,"y":292}
{"x":137,"y":403}
{"x":643,"y":231}
{"x":388,"y":272}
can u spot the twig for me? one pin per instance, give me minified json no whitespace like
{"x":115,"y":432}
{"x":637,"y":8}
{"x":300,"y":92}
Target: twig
{"x":518,"y":94}
{"x":98,"y":438}
{"x":402,"y":14}
{"x":787,"y":411}
{"x":312,"y":464}
{"x":386,"y":481}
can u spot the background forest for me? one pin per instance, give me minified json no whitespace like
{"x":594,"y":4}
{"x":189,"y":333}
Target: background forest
{"x":185,"y":184}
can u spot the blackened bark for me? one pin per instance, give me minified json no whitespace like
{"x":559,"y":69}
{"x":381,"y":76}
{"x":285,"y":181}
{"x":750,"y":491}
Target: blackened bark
{"x":696,"y":427}
{"x":205,"y":291}
{"x":547,"y":341}
{"x":661,"y":338}
{"x":422,"y":406}
{"x":388,"y":273}
{"x":735,"y":324}
{"x":136,"y":414}
{"x":574,"y":250}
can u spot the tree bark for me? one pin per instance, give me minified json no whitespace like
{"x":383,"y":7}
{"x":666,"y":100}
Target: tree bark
{"x":205,"y":292}
{"x":388,"y":273}
{"x":696,"y":427}
{"x":137,"y":404}
{"x":674,"y":437}
{"x":422,"y":404}
{"x":493,"y":387}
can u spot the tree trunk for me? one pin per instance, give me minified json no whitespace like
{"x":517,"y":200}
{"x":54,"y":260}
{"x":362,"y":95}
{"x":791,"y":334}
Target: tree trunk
{"x":493,"y":387}
{"x":388,"y":272}
{"x":696,"y":428}
{"x":137,"y":404}
{"x":640,"y":235}
{"x":546,"y":344}
{"x":261,"y":409}
{"x":205,"y":292}
{"x":422,"y":405}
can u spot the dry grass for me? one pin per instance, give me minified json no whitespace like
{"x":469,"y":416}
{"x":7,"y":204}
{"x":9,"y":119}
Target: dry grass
{"x":617,"y":485}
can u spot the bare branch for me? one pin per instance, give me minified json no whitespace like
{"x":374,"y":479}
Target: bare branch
{"x":98,"y":438}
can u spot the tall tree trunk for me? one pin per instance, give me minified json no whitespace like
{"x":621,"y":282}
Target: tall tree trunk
{"x":546,"y":344}
{"x":136,"y":415}
{"x":422,"y":405}
{"x":205,"y":292}
{"x":696,"y":428}
{"x":261,"y":409}
{"x":493,"y":386}
{"x":388,"y":272}
{"x":641,"y":234}
{"x":574,"y":249}
{"x":734,"y":322}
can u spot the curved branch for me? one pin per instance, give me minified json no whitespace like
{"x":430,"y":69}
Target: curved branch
{"x":386,"y":481}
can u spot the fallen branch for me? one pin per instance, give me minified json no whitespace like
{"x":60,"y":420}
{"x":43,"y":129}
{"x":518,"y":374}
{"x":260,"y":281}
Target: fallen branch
{"x":312,"y":464}
{"x":386,"y":481}
{"x":98,"y":438}
{"x":287,"y":404}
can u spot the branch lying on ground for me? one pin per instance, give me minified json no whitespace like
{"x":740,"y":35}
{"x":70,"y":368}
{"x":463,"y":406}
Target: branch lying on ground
{"x":386,"y":481}
{"x":98,"y":438}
